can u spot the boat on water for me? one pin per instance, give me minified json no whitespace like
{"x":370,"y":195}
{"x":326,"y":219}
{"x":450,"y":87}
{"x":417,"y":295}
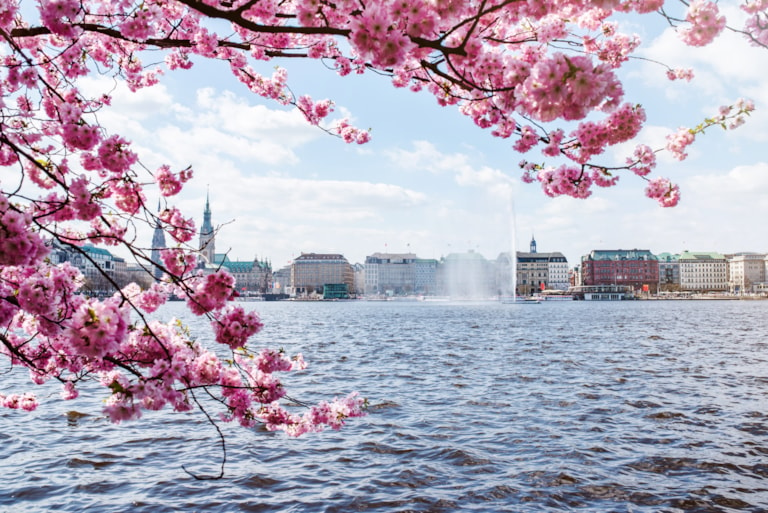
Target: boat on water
{"x":520,"y":300}
{"x":556,"y":297}
{"x":602,"y":292}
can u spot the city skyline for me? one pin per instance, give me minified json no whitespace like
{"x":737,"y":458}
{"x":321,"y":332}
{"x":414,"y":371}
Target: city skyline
{"x":530,"y":247}
{"x":430,"y":181}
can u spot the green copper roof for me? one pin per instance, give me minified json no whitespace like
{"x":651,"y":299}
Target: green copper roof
{"x":89,"y":248}
{"x":621,"y":254}
{"x":668,"y":257}
{"x":701,"y":255}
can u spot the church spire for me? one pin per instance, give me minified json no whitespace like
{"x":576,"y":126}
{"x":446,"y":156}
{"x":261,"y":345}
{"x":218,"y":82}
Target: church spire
{"x":207,"y":236}
{"x":533,"y":244}
{"x":158,"y":243}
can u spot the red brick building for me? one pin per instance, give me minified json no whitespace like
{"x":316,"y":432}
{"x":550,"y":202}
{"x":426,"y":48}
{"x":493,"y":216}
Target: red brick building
{"x":637,"y":268}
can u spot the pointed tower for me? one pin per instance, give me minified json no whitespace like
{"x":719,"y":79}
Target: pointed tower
{"x":207,"y":236}
{"x":158,"y":243}
{"x":533,"y":244}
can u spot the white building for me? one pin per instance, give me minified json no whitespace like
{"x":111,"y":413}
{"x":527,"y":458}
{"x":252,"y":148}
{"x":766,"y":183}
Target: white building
{"x":312,"y":273}
{"x":390,"y":274}
{"x":103,"y":272}
{"x":535,"y":271}
{"x":746,"y":272}
{"x":703,"y":272}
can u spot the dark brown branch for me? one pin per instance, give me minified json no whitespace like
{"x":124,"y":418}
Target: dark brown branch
{"x":236,"y":18}
{"x":222,"y":442}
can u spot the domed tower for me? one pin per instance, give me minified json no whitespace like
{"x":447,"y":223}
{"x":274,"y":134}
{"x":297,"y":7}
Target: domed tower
{"x":533,"y":244}
{"x":207,"y":235}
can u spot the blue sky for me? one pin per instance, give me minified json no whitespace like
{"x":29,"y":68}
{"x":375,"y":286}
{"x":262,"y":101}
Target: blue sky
{"x":431,"y":182}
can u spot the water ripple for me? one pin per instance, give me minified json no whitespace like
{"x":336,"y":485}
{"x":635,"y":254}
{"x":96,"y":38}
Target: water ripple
{"x":631,"y":407}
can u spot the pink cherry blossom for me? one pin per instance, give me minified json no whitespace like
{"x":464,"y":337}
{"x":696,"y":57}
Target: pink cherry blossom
{"x":115,"y":156}
{"x":680,"y":73}
{"x":544,"y":74}
{"x":706,"y":23}
{"x":211,"y":292}
{"x":177,"y":261}
{"x":19,"y":243}
{"x":663,"y":191}
{"x":233,"y":326}
{"x":26,"y":401}
{"x":171,"y":183}
{"x":180,"y":228}
{"x":678,"y":142}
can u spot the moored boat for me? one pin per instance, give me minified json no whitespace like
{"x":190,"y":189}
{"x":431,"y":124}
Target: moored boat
{"x":520,"y":300}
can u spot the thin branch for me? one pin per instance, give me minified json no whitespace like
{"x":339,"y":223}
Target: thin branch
{"x":222,"y":442}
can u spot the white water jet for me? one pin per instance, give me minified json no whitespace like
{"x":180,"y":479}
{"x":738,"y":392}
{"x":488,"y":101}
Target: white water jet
{"x":513,"y":253}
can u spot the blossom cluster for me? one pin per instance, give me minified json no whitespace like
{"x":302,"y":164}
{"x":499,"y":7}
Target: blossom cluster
{"x":755,"y":26}
{"x":679,"y":141}
{"x":663,"y":191}
{"x":19,"y":244}
{"x":182,"y":229}
{"x":706,"y":23}
{"x":75,"y":336}
{"x":171,"y":183}
{"x":233,"y":326}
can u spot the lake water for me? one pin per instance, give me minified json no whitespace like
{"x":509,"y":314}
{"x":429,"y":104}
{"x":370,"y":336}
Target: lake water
{"x":597,"y":407}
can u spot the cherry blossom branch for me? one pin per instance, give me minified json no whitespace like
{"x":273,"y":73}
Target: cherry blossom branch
{"x":222,"y":443}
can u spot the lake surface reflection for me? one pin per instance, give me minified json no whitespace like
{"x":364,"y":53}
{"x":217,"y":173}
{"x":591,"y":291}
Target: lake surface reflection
{"x":599,"y":407}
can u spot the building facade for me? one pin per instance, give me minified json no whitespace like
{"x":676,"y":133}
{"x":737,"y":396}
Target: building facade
{"x":534,"y":272}
{"x":426,"y":276}
{"x":746,"y":272}
{"x":281,"y":280}
{"x":359,"y":271}
{"x":104,"y":272}
{"x":541,"y":271}
{"x":636,"y":268}
{"x":400,"y":274}
{"x":392,"y":274}
{"x":252,"y":277}
{"x":311,"y":272}
{"x":669,"y":272}
{"x":703,"y":272}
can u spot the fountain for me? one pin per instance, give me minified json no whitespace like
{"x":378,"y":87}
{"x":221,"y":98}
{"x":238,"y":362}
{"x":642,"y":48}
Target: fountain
{"x":512,"y":297}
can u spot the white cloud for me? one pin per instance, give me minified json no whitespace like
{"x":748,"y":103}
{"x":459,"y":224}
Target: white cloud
{"x":743,"y":188}
{"x":220,"y":124}
{"x":232,"y":114}
{"x":142,"y":104}
{"x":311,"y":201}
{"x":724,"y":70}
{"x":201,"y":140}
{"x":425,"y":156}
